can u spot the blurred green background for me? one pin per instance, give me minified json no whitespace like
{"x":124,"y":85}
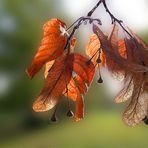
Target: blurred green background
{"x":20,"y":33}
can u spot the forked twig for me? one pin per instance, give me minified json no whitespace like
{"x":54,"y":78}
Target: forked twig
{"x":75,"y":26}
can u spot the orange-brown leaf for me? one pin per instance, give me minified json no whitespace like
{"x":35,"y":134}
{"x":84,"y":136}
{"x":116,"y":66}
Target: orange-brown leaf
{"x":92,"y":50}
{"x":82,"y":68}
{"x":81,"y":85}
{"x":52,"y":45}
{"x":79,"y":114}
{"x":76,"y":88}
{"x":74,"y":93}
{"x":71,"y":91}
{"x":55,"y":83}
{"x":122,"y":48}
{"x":48,"y":66}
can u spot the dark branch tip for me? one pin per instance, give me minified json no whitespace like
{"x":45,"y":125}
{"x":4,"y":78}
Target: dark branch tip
{"x":98,"y":61}
{"x":88,"y":62}
{"x":70,"y":113}
{"x":100,"y":80}
{"x":53,"y":119}
{"x":145,"y":120}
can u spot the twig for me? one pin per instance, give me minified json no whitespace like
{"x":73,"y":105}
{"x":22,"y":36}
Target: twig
{"x":93,"y":10}
{"x":82,"y":19}
{"x":114,"y":19}
{"x":77,"y":24}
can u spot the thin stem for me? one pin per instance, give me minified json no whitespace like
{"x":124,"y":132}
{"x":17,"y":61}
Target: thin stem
{"x":77,"y":24}
{"x":100,"y":79}
{"x":93,"y":10}
{"x":81,"y":20}
{"x":73,"y":24}
{"x":54,"y":117}
{"x":90,"y":60}
{"x":114,"y":19}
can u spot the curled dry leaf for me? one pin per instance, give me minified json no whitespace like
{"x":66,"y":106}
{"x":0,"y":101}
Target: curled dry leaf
{"x":137,"y":109}
{"x":52,"y":45}
{"x":126,"y":92}
{"x":138,"y":106}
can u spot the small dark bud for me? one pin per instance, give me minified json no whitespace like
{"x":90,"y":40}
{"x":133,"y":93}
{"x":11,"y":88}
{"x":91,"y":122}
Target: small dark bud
{"x":89,"y":14}
{"x":145,"y":120}
{"x":85,"y":23}
{"x":98,"y":61}
{"x":88,"y":62}
{"x":54,"y":118}
{"x":99,"y":22}
{"x":100,"y":80}
{"x":70,"y":113}
{"x":90,"y":21}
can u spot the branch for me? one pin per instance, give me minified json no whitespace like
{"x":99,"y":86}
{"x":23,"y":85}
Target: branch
{"x":82,"y":19}
{"x":77,"y":24}
{"x":114,"y":19}
{"x":93,"y":10}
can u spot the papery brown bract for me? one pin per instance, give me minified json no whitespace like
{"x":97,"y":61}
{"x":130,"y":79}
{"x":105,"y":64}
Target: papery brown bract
{"x":115,"y":56}
{"x":126,"y":92}
{"x":138,"y":106}
{"x":137,"y":109}
{"x":128,"y":56}
{"x":113,"y":37}
{"x":117,"y":48}
{"x":52,"y":45}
